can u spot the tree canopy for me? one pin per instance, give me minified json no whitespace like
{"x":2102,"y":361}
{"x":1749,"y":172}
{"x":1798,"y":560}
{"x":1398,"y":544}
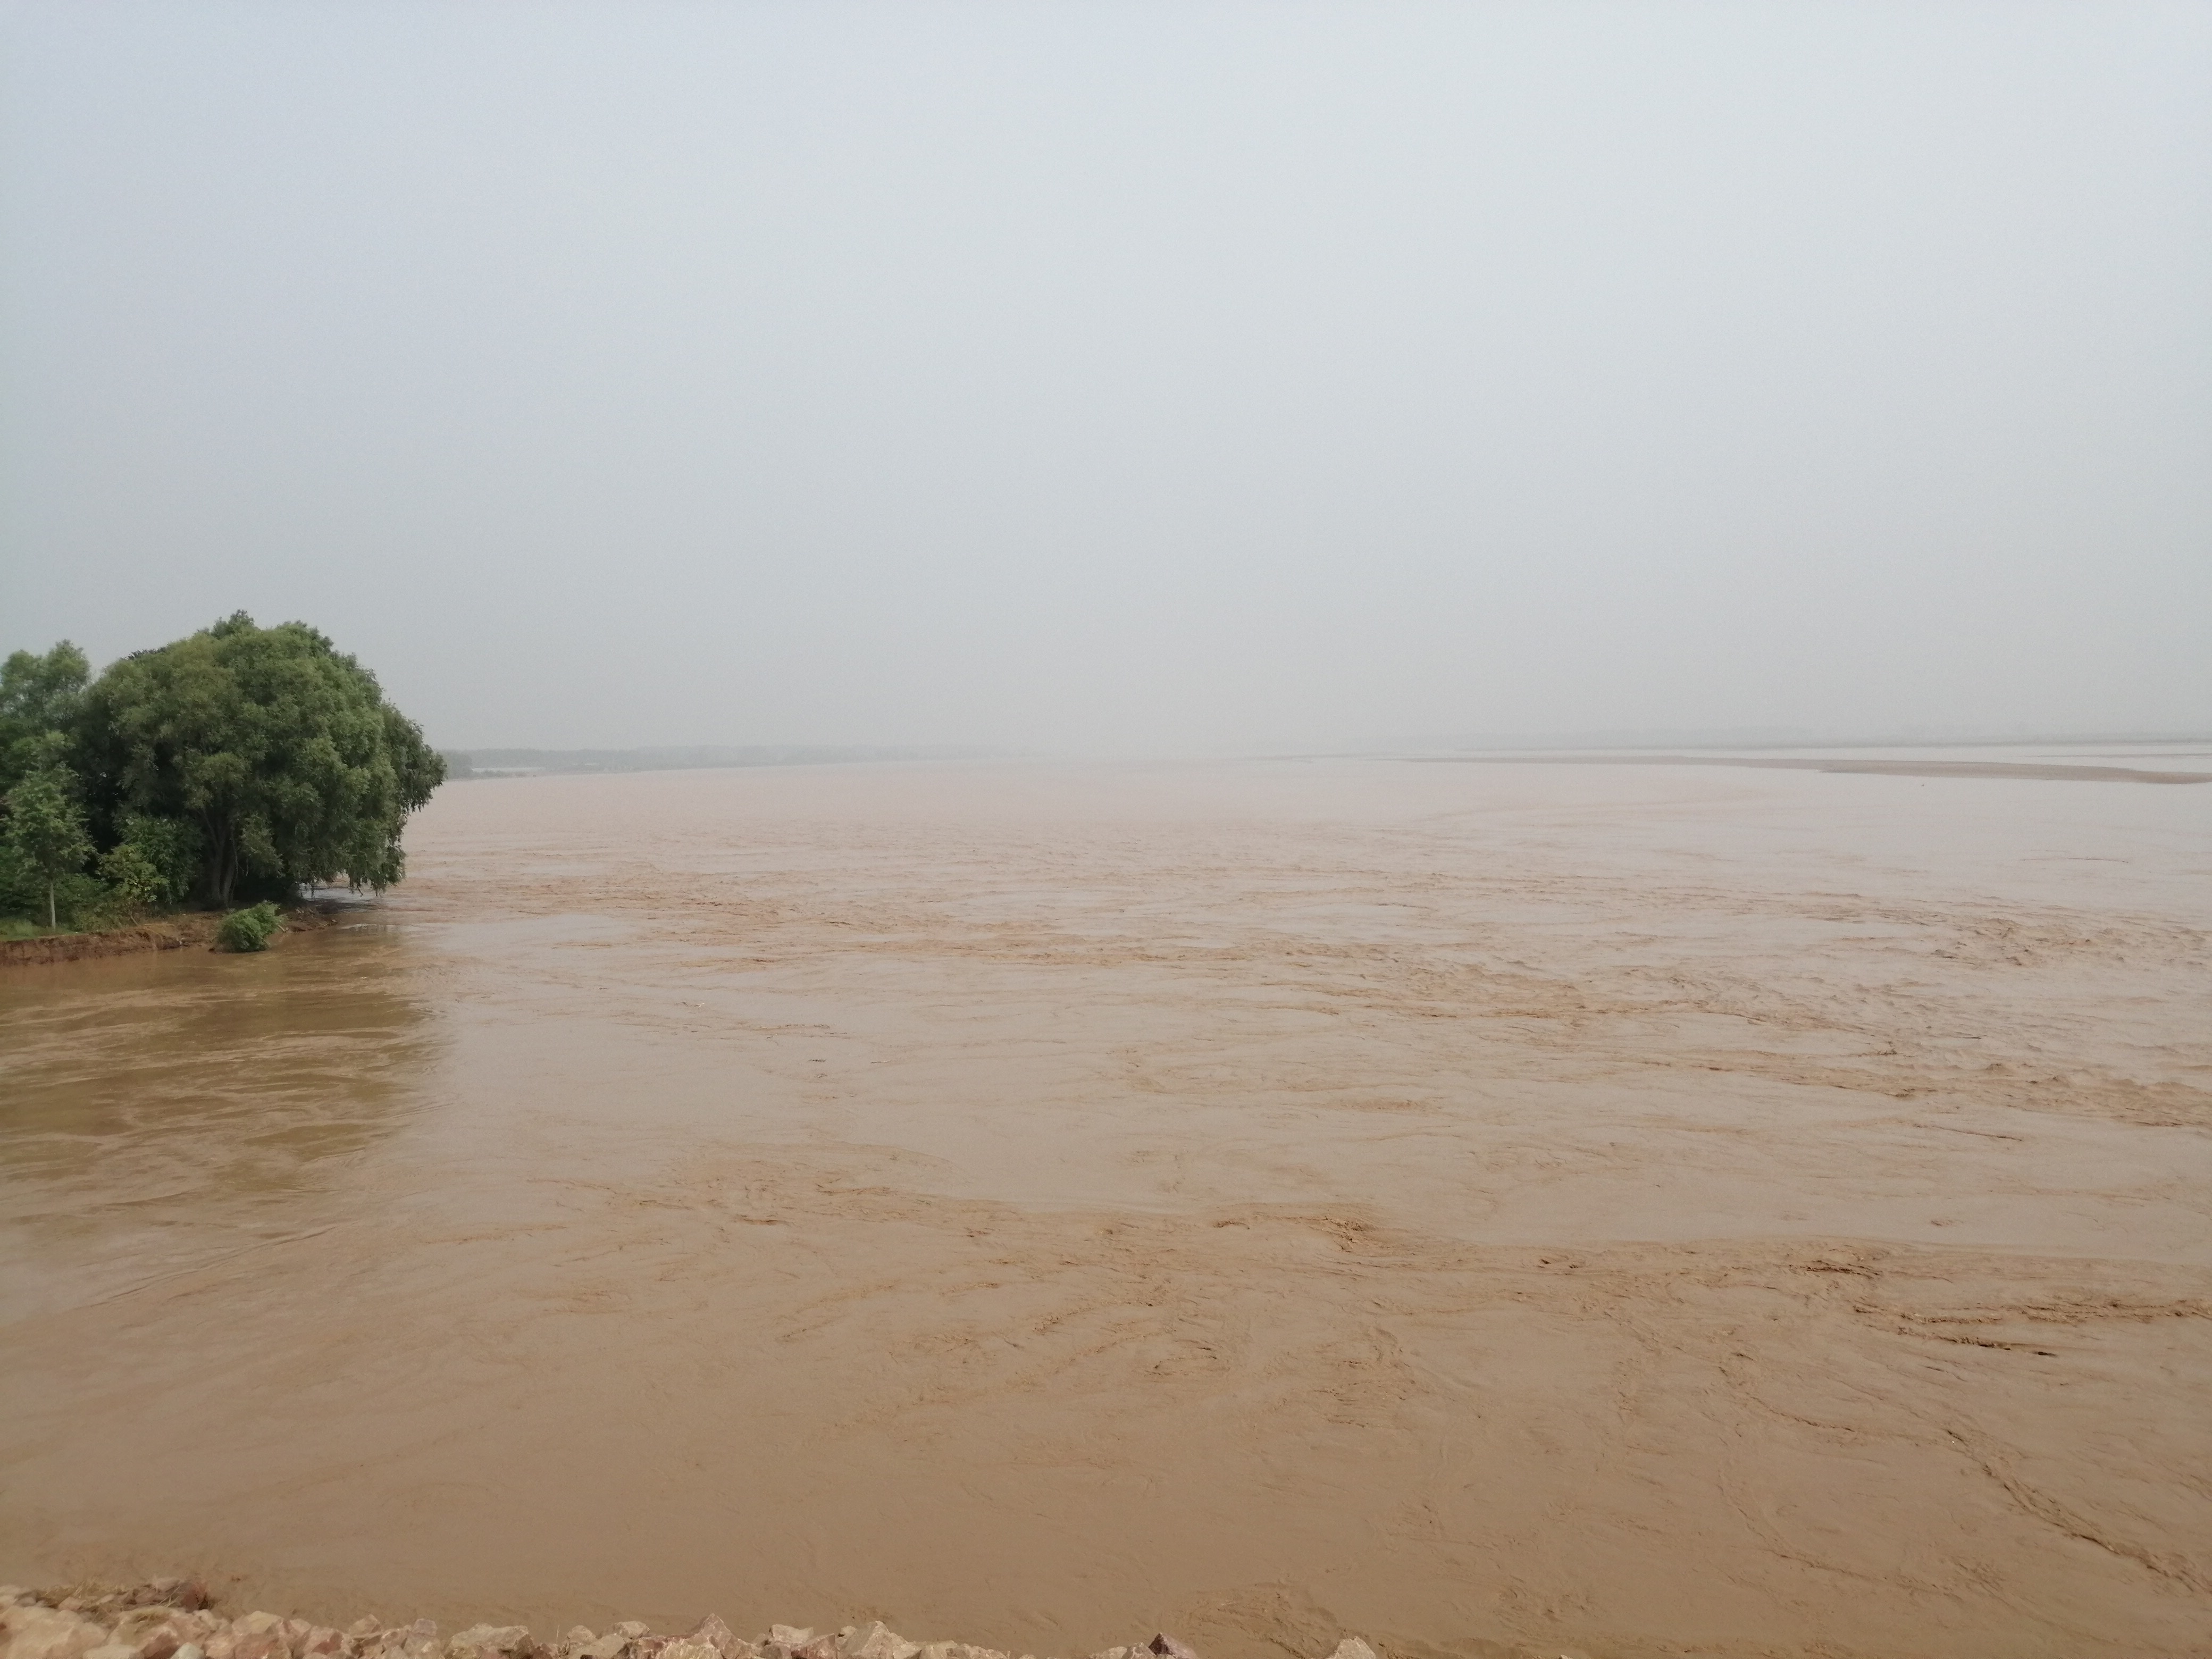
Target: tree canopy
{"x":39,"y":699}
{"x":240,"y":763}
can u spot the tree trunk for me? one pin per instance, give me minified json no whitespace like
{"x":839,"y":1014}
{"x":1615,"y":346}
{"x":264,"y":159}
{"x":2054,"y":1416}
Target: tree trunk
{"x":221,"y":863}
{"x":52,"y":926}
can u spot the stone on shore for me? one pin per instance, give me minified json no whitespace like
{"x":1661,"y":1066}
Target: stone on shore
{"x":169,"y":1618}
{"x":877,"y":1640}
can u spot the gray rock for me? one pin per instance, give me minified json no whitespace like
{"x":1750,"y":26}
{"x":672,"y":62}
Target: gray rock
{"x":36,"y":1633}
{"x":876,"y":1640}
{"x":720,"y":1637}
{"x":152,"y":1632}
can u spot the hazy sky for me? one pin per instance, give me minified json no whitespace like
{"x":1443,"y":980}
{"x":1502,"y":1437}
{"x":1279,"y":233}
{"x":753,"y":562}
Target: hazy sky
{"x":1133,"y":374}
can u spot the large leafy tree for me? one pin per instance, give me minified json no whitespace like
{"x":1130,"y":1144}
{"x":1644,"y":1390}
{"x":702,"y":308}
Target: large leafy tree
{"x":276,"y":746}
{"x":40,"y":700}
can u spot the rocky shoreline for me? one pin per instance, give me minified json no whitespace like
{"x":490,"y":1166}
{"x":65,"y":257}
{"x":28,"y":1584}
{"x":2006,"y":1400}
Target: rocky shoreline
{"x":171,"y":1619}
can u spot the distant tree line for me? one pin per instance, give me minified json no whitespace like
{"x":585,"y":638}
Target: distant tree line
{"x":235,"y":765}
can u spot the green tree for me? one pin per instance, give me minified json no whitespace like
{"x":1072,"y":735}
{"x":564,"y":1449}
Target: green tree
{"x":46,"y":825}
{"x":40,"y":701}
{"x":276,"y":747}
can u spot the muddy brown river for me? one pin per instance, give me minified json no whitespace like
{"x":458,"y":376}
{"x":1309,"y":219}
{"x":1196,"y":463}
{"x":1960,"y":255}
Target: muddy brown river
{"x":1493,"y":1209}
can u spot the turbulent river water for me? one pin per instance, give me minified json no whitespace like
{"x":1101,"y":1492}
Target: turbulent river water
{"x":1640,"y":1210}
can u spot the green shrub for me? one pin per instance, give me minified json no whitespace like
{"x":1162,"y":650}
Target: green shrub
{"x":164,"y":856}
{"x":249,"y":929}
{"x":82,"y":901}
{"x":136,"y":884}
{"x":22,"y":890}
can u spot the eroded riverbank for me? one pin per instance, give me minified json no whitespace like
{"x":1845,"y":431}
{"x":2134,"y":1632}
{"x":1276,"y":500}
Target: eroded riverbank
{"x":172,"y":1618}
{"x":1636,"y":1210}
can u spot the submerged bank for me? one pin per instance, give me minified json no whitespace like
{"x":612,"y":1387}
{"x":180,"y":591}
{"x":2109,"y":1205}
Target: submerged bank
{"x":171,"y":1619}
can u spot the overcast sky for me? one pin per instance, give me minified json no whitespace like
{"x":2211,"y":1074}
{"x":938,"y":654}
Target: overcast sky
{"x":1140,"y":376}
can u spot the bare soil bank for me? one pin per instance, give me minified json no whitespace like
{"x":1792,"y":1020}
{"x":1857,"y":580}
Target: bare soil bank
{"x":1635,"y":1210}
{"x":194,"y":929}
{"x":167,"y":934}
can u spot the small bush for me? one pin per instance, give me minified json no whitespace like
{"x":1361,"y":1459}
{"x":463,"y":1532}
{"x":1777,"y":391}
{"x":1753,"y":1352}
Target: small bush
{"x":249,"y":929}
{"x":135,"y":885}
{"x":81,"y":901}
{"x":162,"y":857}
{"x":22,"y":889}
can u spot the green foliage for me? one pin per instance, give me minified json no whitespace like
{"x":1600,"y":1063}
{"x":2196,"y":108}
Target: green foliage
{"x":163,"y":855}
{"x":135,"y":881}
{"x":82,"y":900}
{"x":276,"y":748}
{"x":40,"y":701}
{"x":250,"y":929}
{"x":22,"y":890}
{"x":47,"y":828}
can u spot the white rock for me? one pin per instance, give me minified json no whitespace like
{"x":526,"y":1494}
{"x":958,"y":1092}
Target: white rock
{"x":1352,"y":1648}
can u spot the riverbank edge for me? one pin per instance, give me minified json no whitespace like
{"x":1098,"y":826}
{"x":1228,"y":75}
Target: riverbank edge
{"x":171,"y":1619}
{"x":176,"y":933}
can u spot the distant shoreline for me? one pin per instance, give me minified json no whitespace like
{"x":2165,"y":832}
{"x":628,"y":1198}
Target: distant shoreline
{"x":1896,"y":768}
{"x":464,"y":764}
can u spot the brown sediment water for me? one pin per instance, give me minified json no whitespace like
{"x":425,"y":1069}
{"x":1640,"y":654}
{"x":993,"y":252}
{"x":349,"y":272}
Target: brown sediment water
{"x":1635,"y":1210}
